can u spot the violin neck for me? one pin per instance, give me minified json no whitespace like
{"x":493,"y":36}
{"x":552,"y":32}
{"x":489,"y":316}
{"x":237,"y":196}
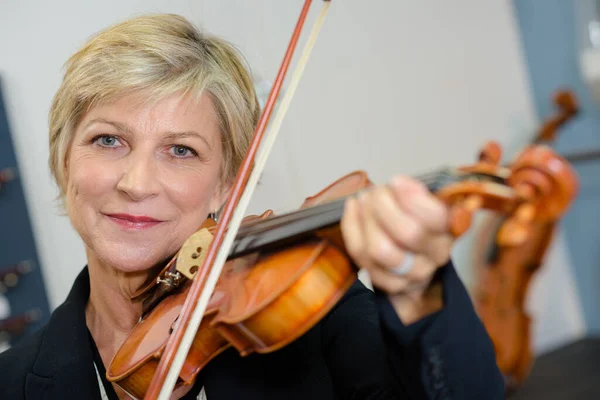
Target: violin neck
{"x":279,"y":230}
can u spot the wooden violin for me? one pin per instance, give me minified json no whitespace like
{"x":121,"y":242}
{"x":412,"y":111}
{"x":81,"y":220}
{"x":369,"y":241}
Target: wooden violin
{"x":257,"y":283}
{"x":503,"y":271}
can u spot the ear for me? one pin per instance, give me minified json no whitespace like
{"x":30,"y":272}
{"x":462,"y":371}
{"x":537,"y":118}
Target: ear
{"x":67,"y":158}
{"x":220,"y":196}
{"x":66,"y":166}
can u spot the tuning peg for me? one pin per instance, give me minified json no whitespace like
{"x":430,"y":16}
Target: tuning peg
{"x":461,"y":214}
{"x":514,"y":231}
{"x":491,"y":153}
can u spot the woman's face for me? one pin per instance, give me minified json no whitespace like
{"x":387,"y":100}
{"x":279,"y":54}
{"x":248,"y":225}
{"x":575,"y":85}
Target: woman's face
{"x":141,"y":179}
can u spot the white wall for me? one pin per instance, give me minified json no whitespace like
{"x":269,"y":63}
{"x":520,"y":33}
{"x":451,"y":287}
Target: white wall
{"x":394,"y":86}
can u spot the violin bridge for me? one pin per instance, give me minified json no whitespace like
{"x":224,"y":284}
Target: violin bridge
{"x":193,"y":252}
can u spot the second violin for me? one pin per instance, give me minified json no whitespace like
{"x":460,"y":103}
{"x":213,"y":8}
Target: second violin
{"x":504,"y":271}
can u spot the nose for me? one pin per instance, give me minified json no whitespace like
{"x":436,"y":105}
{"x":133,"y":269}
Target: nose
{"x":139,"y":180}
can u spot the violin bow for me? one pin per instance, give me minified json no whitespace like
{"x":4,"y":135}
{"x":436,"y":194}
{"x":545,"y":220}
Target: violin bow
{"x":205,"y":281}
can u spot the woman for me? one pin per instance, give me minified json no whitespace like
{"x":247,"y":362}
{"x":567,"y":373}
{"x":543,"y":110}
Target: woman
{"x":147,"y":131}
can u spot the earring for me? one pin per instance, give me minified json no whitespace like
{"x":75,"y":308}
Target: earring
{"x":213,"y":216}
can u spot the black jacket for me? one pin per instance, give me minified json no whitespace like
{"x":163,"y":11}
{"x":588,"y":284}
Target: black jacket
{"x":360,"y":350}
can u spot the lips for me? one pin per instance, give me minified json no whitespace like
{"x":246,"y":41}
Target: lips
{"x":136,"y":222}
{"x":133,"y":218}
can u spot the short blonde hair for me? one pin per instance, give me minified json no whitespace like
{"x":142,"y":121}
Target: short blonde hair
{"x":157,"y":55}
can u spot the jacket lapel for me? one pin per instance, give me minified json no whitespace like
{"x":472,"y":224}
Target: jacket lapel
{"x":64,"y":367}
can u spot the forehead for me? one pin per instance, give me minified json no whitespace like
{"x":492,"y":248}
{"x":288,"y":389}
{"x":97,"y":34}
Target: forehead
{"x":137,"y":114}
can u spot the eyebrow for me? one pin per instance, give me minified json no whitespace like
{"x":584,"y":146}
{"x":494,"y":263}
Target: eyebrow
{"x":169,"y":134}
{"x":120,"y":127}
{"x":181,"y":135}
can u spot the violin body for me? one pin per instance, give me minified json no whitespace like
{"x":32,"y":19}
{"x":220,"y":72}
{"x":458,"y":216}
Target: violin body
{"x":262,"y":301}
{"x":504,"y":279}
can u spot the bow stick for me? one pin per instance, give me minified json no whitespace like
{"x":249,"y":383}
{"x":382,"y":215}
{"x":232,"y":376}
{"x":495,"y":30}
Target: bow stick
{"x":189,"y":320}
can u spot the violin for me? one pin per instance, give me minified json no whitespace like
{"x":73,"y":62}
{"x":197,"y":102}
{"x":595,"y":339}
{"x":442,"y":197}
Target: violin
{"x":257,"y":283}
{"x":503,"y":271}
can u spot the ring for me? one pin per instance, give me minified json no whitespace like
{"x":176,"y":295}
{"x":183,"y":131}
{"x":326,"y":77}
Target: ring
{"x":406,"y":266}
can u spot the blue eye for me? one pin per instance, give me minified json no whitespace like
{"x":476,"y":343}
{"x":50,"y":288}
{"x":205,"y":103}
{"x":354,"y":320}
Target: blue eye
{"x":183,"y":151}
{"x":106,"y":140}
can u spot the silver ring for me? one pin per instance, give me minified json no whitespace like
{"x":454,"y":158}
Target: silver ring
{"x":406,"y":266}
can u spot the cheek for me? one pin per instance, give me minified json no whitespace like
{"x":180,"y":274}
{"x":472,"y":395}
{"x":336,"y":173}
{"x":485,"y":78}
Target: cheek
{"x":89,"y":179}
{"x":192,"y":194}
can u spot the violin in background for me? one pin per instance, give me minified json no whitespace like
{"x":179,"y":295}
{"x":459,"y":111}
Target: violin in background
{"x":503,"y":271}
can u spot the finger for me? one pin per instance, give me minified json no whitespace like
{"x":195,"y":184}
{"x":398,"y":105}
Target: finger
{"x":421,"y":272}
{"x":352,"y":229}
{"x":380,"y":248}
{"x":419,"y":277}
{"x":439,"y":249}
{"x":415,"y":198}
{"x":403,"y":229}
{"x":386,"y":282}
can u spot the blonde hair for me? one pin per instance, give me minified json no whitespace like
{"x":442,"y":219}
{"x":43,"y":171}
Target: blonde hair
{"x":157,"y":55}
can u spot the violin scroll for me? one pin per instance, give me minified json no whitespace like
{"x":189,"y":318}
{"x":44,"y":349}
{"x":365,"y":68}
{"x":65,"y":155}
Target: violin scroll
{"x":546,"y":183}
{"x":567,"y":107}
{"x":541,"y":172}
{"x":538,"y":186}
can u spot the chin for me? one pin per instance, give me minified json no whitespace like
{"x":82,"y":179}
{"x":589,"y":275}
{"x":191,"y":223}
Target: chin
{"x":130,"y":258}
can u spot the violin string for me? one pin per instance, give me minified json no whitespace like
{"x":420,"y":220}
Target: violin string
{"x":264,"y":233}
{"x":280,"y":228}
{"x":430,"y":180}
{"x":326,"y":207}
{"x":255,"y":236}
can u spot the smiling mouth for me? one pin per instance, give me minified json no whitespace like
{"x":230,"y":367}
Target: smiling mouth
{"x":135,"y":222}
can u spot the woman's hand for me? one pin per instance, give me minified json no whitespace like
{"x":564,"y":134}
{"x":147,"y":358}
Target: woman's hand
{"x":400,"y":234}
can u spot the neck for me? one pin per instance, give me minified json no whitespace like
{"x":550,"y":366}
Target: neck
{"x":110,"y":313}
